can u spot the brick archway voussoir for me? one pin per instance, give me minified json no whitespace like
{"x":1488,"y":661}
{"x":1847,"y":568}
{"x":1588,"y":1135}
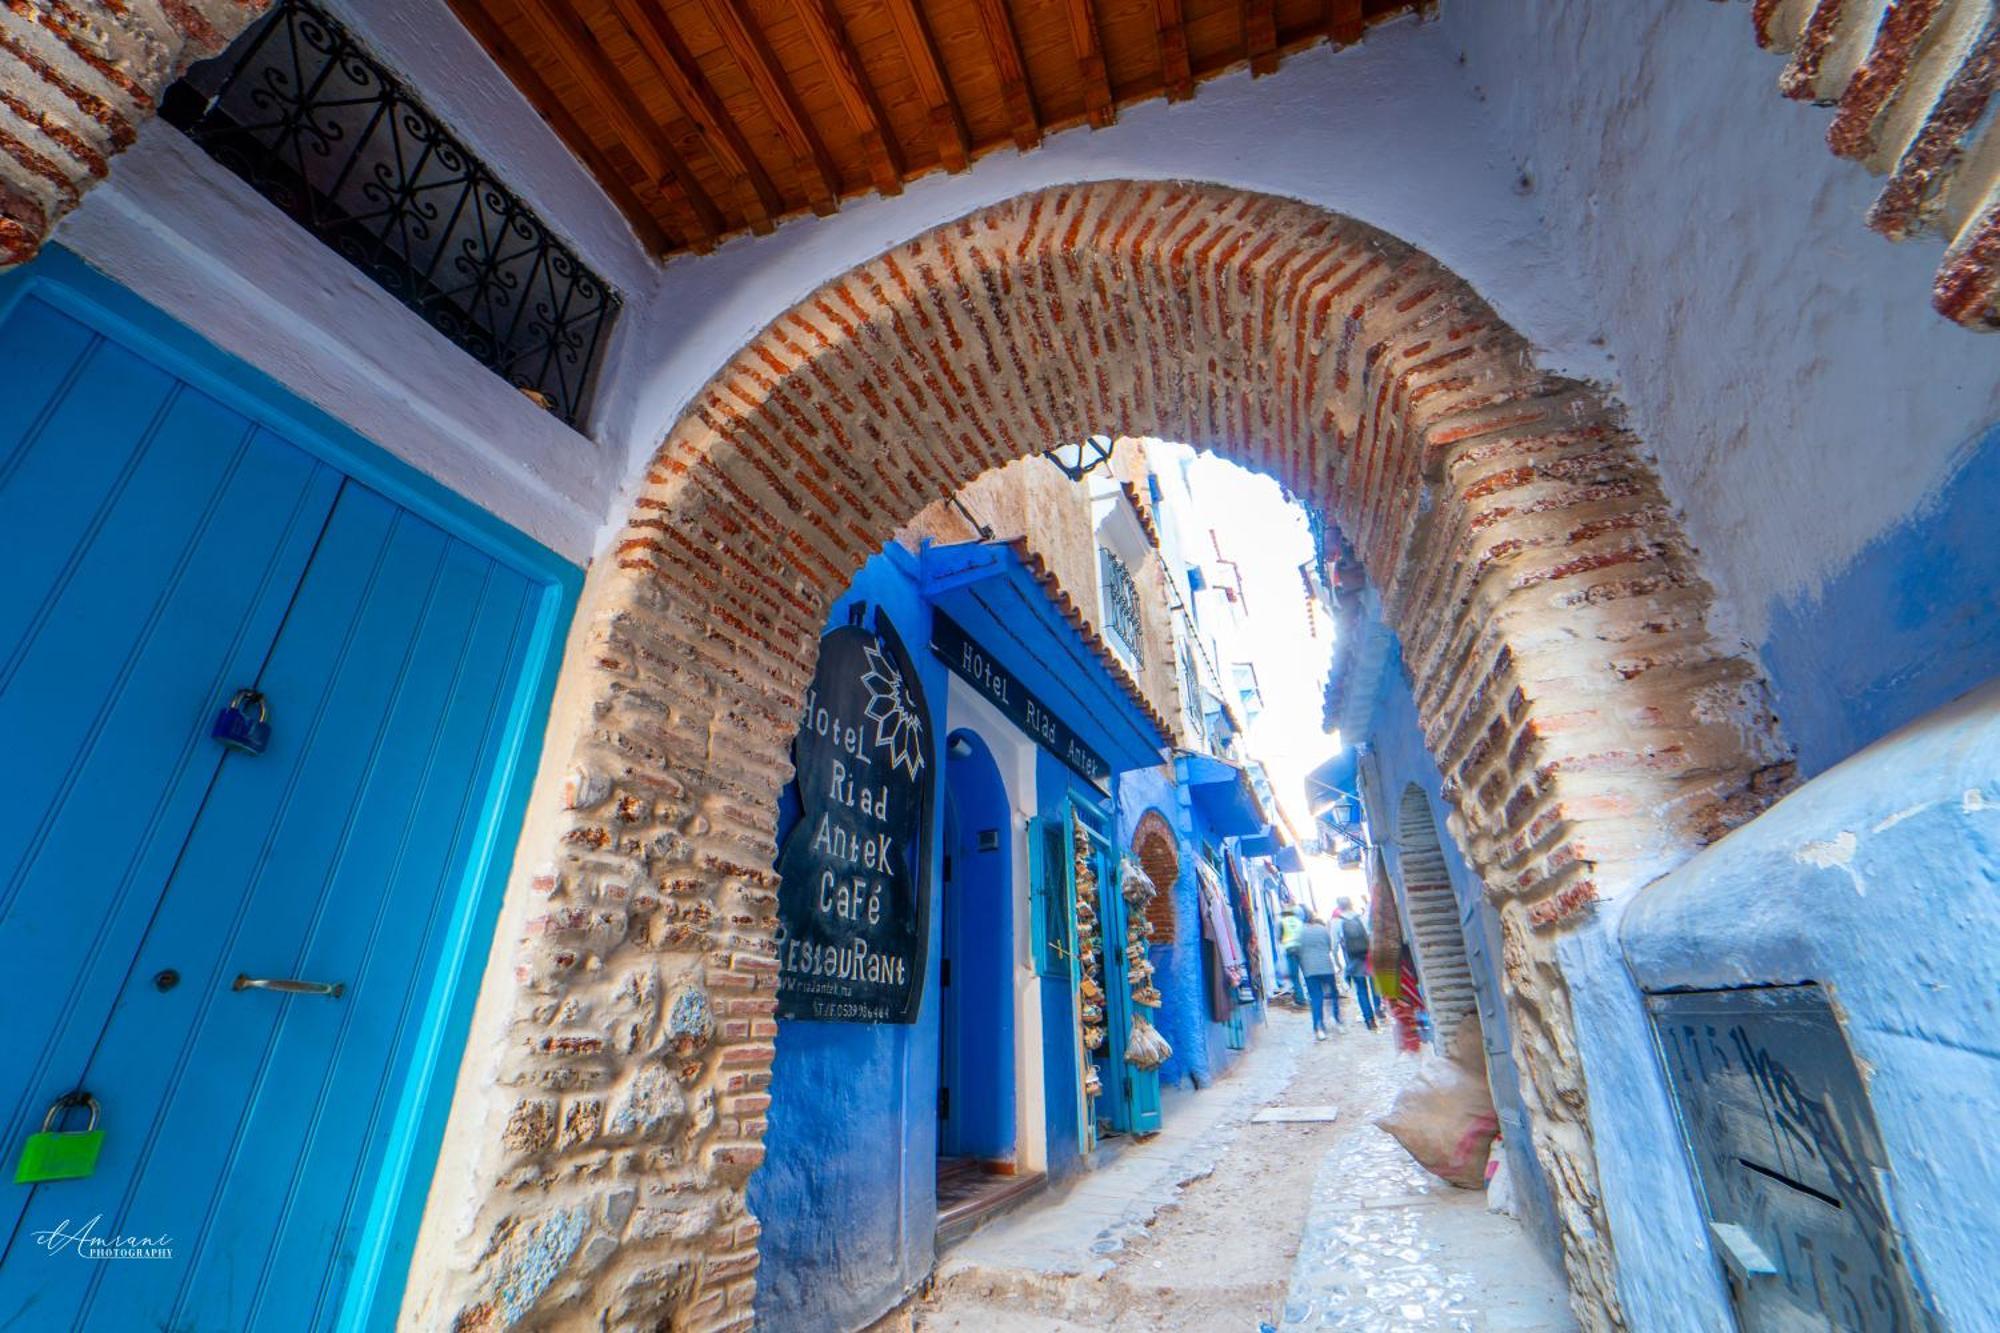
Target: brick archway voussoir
{"x":1550,"y":613}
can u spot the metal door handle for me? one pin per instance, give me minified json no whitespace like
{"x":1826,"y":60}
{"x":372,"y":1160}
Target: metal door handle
{"x":331,"y":989}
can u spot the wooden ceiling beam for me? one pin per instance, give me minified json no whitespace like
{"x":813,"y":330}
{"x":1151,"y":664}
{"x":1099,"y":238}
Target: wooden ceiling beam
{"x":745,"y":42}
{"x":954,"y":148}
{"x":834,"y":49}
{"x":1084,"y":34}
{"x":1175,"y":75}
{"x":654,"y":34}
{"x":1260,"y":36}
{"x":606,"y":90}
{"x":1005,"y":48}
{"x":1343,"y":21}
{"x":524,"y":76}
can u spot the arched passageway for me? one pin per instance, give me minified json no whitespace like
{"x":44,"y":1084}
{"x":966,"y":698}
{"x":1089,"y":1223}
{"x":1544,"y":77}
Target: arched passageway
{"x":1432,"y":909}
{"x":1592,"y":729}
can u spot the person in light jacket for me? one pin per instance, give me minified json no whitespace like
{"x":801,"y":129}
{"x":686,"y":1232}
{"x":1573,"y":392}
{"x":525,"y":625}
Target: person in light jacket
{"x":1316,"y":961}
{"x":1288,"y":940}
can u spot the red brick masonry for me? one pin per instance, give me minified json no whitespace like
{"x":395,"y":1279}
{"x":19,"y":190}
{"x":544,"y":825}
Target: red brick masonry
{"x":1593,"y":730}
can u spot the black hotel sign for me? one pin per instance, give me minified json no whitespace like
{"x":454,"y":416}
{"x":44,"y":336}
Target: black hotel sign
{"x":851,"y":899}
{"x":999,"y":685}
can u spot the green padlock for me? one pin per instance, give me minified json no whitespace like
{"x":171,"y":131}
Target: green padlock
{"x":56,"y":1154}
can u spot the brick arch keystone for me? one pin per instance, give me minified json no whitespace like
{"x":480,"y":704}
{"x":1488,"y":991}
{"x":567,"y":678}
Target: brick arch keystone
{"x":1592,"y":728}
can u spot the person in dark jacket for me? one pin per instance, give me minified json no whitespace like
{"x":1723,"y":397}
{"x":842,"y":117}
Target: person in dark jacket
{"x":1316,"y":961}
{"x":1354,"y":944}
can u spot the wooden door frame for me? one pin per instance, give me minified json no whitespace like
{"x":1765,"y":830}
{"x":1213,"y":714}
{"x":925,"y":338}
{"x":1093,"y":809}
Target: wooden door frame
{"x":399,"y":1191}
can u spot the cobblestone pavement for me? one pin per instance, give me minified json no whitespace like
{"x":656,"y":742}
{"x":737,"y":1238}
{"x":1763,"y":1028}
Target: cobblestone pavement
{"x":1229,"y":1225}
{"x":1388,"y":1247}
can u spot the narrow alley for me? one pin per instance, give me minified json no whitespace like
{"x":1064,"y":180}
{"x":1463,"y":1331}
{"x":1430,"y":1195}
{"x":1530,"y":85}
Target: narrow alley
{"x":751,"y":666}
{"x":1225,"y":1222}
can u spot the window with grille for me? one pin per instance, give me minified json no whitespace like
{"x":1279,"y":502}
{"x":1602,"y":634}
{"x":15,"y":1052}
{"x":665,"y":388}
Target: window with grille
{"x":1121,"y":604}
{"x":305,"y":115}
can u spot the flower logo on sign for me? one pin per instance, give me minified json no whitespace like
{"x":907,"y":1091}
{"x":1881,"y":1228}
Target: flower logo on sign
{"x":898,"y":727}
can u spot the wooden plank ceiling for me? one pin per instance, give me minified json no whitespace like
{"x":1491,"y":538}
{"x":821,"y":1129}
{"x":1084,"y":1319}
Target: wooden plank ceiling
{"x":707,"y":118}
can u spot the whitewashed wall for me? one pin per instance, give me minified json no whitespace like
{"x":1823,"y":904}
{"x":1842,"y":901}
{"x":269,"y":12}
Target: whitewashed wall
{"x":191,"y":238}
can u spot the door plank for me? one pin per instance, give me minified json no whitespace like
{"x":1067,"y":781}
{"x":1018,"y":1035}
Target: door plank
{"x":137,"y":610}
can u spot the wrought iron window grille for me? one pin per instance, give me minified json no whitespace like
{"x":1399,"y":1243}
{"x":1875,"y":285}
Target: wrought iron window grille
{"x":303,"y":113}
{"x":1121,"y":604}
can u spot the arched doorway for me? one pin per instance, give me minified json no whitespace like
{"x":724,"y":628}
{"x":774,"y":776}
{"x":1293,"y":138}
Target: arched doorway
{"x":1153,"y":844}
{"x":1591,"y":728}
{"x":976,"y":1101}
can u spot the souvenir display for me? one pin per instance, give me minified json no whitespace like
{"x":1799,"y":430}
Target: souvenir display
{"x":1092,"y":984}
{"x":1146,"y":1048}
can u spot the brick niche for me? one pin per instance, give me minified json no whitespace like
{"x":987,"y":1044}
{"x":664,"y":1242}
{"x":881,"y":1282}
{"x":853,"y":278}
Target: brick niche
{"x":1593,"y":730}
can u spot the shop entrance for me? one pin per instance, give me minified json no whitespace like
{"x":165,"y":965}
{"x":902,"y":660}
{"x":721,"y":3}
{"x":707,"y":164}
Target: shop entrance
{"x":977,"y":1158}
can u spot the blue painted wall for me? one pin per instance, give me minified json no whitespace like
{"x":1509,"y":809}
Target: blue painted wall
{"x":1881,"y":880}
{"x":1201,"y":1045}
{"x":1912,"y":623}
{"x":847,"y":1193}
{"x":978,"y":929}
{"x":1183,"y":1013}
{"x":1401,"y":759}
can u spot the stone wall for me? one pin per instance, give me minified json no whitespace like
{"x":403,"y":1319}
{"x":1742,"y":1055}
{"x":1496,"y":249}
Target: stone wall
{"x":80,"y":82}
{"x":1591,"y":728}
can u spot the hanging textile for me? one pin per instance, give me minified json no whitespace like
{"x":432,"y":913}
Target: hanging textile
{"x":1391,"y":960}
{"x":1221,"y":922}
{"x":1215,"y":975}
{"x":1246,"y":915}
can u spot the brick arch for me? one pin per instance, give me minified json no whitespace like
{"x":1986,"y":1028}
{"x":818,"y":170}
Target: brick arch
{"x":1153,"y":842}
{"x":1591,"y":728}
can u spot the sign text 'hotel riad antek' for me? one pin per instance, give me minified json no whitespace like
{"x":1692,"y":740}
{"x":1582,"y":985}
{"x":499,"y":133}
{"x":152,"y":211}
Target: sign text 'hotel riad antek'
{"x":851,"y":918}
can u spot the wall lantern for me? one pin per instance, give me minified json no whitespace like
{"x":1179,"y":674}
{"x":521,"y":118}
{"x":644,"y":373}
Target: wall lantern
{"x":1077,"y":460}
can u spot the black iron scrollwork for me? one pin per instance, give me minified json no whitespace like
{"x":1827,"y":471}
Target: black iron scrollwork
{"x":298,"y":109}
{"x":1121,"y":605}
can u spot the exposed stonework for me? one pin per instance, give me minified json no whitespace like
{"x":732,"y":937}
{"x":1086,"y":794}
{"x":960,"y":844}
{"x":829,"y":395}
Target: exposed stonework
{"x":1910,"y":81}
{"x":77,"y":81}
{"x":1592,"y":728}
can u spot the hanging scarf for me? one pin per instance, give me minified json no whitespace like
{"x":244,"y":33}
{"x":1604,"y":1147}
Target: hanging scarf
{"x":1221,"y":923}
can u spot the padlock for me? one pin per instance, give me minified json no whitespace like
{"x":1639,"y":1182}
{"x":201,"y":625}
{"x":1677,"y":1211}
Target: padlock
{"x":57,"y":1154}
{"x":236,"y":728}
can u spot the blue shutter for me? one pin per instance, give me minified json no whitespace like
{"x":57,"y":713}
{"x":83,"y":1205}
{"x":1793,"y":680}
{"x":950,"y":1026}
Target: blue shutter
{"x":1053,"y":920}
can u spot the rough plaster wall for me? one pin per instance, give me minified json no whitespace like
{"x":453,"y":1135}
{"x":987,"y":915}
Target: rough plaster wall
{"x":1591,"y":728}
{"x":1766,"y":343}
{"x":188,"y":236}
{"x":1899,"y":847}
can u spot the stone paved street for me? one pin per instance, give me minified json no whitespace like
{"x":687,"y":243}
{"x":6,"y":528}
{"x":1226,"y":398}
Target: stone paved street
{"x":1222,"y":1223}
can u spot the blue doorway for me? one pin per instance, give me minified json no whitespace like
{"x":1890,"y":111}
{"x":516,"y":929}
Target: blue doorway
{"x":976,"y":991}
{"x":258,"y":962}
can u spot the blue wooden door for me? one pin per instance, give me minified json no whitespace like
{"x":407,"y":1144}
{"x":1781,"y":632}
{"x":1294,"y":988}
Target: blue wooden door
{"x":171,"y":551}
{"x":245,"y":1123}
{"x":1133,"y":1094}
{"x":154,"y":539}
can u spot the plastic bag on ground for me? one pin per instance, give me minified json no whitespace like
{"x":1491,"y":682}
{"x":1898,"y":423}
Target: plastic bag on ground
{"x":1444,"y":1117}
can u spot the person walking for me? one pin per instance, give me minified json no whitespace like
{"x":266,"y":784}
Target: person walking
{"x":1354,"y":943}
{"x":1288,"y":941}
{"x":1316,"y":961}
